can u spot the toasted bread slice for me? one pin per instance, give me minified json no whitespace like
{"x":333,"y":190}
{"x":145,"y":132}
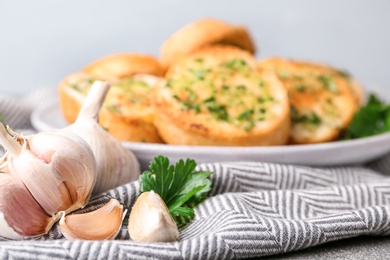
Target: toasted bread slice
{"x":323,"y":100}
{"x":216,"y":97}
{"x":123,"y":65}
{"x":72,"y":91}
{"x":126,"y":113}
{"x":201,"y":33}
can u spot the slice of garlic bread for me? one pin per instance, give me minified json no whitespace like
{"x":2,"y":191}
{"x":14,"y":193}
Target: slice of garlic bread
{"x":72,"y":91}
{"x":201,"y":33}
{"x":216,"y":97}
{"x":323,"y":100}
{"x":123,"y":65}
{"x":126,"y":112}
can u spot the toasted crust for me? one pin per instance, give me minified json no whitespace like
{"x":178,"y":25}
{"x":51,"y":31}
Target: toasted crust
{"x":323,"y":100}
{"x":201,"y":33}
{"x":218,"y":98}
{"x":124,"y":65}
{"x":125,"y":116}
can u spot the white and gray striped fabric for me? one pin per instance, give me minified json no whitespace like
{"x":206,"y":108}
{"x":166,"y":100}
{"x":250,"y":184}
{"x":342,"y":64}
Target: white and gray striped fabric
{"x":254,"y":209}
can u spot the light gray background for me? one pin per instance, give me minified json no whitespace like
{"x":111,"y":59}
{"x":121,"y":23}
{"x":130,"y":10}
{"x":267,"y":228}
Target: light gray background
{"x":42,"y":41}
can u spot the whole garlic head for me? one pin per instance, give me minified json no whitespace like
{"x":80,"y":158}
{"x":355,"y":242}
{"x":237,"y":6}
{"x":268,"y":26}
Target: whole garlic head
{"x":55,"y":169}
{"x":58,"y":168}
{"x":116,"y":165}
{"x":150,"y":220}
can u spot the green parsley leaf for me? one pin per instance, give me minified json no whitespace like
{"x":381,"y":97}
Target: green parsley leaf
{"x":371,"y":119}
{"x":179,"y":186}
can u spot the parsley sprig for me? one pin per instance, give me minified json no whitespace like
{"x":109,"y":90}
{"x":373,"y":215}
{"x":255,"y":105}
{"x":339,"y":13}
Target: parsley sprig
{"x":373,"y":118}
{"x":179,"y":186}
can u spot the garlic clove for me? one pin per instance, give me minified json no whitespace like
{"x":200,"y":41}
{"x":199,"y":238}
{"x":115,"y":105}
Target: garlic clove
{"x":20,"y":215}
{"x":58,"y":168}
{"x":75,"y":164}
{"x":116,"y":165}
{"x":103,"y":223}
{"x":150,"y":220}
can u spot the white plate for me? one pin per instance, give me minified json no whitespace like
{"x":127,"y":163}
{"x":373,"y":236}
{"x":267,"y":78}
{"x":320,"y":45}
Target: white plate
{"x":47,"y":116}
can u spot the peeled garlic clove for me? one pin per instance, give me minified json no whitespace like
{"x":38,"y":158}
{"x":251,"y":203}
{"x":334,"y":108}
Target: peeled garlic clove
{"x":58,"y":168}
{"x":150,"y":220}
{"x":116,"y":165}
{"x":103,"y":223}
{"x":20,"y":215}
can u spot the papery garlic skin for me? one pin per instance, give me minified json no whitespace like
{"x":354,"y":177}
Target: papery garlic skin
{"x":41,"y":175}
{"x":6,"y":231}
{"x":116,"y":165}
{"x":101,"y":224}
{"x":58,"y":168}
{"x":20,"y":215}
{"x":150,"y":220}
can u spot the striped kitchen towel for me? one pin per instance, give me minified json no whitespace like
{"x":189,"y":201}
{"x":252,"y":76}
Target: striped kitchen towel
{"x":254,"y":209}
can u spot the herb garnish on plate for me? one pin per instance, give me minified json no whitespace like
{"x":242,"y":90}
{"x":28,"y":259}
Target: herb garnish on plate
{"x":373,"y":118}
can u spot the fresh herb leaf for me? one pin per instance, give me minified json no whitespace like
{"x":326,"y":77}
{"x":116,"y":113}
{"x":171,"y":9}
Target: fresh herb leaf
{"x":2,"y":118}
{"x":371,"y":119}
{"x":179,"y":186}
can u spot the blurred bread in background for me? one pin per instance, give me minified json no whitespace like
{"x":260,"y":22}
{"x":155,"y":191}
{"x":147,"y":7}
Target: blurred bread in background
{"x":72,"y":91}
{"x":126,"y":113}
{"x":211,"y":57}
{"x":122,"y":65}
{"x":201,"y":33}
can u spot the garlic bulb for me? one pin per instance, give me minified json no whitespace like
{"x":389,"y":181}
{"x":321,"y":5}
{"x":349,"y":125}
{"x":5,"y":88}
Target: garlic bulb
{"x":20,"y":215}
{"x":57,"y":169}
{"x":150,"y":220}
{"x":103,"y":223}
{"x":116,"y":165}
